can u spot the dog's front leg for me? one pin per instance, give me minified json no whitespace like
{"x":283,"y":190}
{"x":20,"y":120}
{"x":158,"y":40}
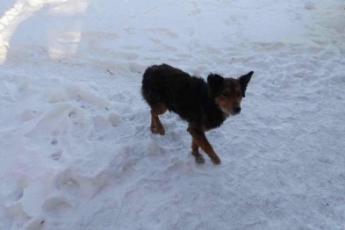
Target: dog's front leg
{"x":195,"y":152}
{"x":200,"y":139}
{"x":156,"y":125}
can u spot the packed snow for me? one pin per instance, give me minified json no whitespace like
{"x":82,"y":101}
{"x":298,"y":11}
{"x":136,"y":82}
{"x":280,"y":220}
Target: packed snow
{"x":75,"y":147}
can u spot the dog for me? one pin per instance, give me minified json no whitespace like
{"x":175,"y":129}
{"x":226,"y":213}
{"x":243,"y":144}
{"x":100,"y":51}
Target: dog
{"x":204,"y":105}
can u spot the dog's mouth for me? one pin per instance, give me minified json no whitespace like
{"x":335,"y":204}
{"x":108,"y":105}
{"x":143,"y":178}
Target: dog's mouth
{"x":235,"y":113}
{"x":232,"y":112}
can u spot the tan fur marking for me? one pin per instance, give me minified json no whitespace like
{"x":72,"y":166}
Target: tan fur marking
{"x":195,"y":152}
{"x":200,"y":139}
{"x":156,"y":124}
{"x":231,"y":97}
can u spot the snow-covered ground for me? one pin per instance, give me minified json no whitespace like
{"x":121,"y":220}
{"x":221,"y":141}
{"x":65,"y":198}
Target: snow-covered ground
{"x":76,"y":152}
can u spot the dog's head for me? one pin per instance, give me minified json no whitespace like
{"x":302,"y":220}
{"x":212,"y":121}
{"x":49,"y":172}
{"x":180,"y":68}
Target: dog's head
{"x":228,"y":92}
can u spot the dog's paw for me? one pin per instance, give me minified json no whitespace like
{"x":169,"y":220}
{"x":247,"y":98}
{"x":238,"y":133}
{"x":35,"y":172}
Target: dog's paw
{"x":160,"y":131}
{"x":199,"y":159}
{"x":216,"y":160}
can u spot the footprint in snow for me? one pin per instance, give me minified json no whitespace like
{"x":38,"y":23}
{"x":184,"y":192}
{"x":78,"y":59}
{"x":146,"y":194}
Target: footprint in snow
{"x":57,"y":207}
{"x":163,"y":31}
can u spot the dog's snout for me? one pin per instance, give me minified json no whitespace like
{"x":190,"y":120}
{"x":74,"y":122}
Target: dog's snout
{"x":237,"y":109}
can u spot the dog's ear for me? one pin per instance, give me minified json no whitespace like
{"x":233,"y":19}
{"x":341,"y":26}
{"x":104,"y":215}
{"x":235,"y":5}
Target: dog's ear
{"x":244,"y":80}
{"x":215,"y":81}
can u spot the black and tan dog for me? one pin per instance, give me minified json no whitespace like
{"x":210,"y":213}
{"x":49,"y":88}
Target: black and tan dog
{"x":203,"y":105}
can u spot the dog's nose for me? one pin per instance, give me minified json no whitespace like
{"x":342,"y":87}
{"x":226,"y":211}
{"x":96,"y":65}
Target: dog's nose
{"x":237,"y":109}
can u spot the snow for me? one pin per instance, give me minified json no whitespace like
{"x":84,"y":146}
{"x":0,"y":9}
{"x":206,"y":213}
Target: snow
{"x":76,"y":150}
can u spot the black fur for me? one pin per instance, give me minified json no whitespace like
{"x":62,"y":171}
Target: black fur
{"x":244,"y":80}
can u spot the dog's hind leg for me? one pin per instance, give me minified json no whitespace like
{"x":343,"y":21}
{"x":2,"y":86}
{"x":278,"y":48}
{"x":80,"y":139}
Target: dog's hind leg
{"x":156,"y":124}
{"x":195,"y":152}
{"x":201,"y":140}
